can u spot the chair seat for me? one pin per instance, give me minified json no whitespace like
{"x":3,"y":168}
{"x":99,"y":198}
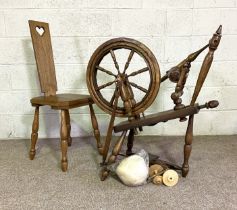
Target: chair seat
{"x":62,"y":101}
{"x":152,"y":119}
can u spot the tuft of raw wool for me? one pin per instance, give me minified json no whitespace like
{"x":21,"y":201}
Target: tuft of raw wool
{"x":133,"y":170}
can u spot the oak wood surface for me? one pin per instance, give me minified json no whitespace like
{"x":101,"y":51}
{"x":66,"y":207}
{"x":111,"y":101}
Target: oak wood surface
{"x":43,"y":56}
{"x":62,"y":101}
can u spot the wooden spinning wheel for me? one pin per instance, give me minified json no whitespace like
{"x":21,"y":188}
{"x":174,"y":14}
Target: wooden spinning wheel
{"x":121,"y":77}
{"x":131,"y":106}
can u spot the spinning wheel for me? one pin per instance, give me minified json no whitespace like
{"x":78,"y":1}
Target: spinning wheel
{"x":135,"y":98}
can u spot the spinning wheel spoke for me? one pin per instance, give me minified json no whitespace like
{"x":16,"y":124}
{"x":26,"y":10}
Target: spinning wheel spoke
{"x":105,"y":85}
{"x":128,"y":61}
{"x":106,"y":71}
{"x":115,"y":61}
{"x":139,"y":87}
{"x":138,"y":72}
{"x":112,"y":98}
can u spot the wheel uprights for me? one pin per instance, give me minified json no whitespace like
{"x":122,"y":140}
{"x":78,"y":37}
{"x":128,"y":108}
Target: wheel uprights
{"x":123,"y":78}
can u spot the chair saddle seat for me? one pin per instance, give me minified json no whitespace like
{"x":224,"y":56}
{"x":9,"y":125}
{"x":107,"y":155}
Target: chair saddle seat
{"x":152,"y":119}
{"x":62,"y":101}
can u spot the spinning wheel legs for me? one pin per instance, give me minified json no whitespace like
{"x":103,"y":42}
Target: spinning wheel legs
{"x":104,"y":173}
{"x":112,"y":158}
{"x":117,"y":148}
{"x":188,"y":146}
{"x":130,"y":142}
{"x":64,"y":139}
{"x":34,"y":135}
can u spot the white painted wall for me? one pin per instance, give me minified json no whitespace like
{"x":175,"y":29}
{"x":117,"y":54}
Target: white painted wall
{"x":171,"y":29}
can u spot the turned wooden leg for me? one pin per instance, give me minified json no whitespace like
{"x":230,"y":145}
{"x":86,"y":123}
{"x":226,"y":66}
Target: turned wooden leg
{"x":117,"y":148}
{"x":34,"y":134}
{"x":64,"y":139}
{"x":96,"y":129}
{"x":188,"y":146}
{"x":104,"y":173}
{"x":69,"y":139}
{"x":130,"y":142}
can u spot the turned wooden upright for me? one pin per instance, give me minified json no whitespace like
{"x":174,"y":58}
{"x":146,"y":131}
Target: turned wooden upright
{"x":213,"y":44}
{"x":41,"y":40}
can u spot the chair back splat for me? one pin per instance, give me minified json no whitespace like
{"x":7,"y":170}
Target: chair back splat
{"x":41,"y":40}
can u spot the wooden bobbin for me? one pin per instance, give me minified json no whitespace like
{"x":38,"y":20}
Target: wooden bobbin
{"x":170,"y":178}
{"x":157,"y":180}
{"x":155,"y":170}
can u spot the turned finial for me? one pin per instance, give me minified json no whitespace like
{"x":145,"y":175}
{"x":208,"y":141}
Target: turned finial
{"x":215,"y":40}
{"x":219,"y":30}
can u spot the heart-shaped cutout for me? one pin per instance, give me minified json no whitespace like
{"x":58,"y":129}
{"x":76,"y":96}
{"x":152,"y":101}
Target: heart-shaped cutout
{"x":40,"y":30}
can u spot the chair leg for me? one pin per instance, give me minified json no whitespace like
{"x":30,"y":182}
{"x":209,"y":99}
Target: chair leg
{"x":69,"y":139}
{"x":96,"y":129}
{"x":130,"y":142}
{"x":34,"y":134}
{"x":188,"y":146}
{"x":64,"y":140}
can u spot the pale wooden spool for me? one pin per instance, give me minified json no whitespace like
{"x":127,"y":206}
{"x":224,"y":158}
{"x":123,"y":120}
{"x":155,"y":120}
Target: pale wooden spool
{"x":170,"y":178}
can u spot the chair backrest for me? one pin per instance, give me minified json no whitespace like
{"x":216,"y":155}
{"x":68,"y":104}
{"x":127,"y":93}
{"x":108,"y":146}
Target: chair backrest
{"x":41,"y":40}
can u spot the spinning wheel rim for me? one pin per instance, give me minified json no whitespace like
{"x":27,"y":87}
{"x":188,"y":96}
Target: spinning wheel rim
{"x":142,"y":51}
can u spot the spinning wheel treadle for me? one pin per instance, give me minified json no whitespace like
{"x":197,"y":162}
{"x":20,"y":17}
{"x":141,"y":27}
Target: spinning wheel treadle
{"x":121,"y":77}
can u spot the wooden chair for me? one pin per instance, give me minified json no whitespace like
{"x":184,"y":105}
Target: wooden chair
{"x":134,"y":106}
{"x":41,"y":40}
